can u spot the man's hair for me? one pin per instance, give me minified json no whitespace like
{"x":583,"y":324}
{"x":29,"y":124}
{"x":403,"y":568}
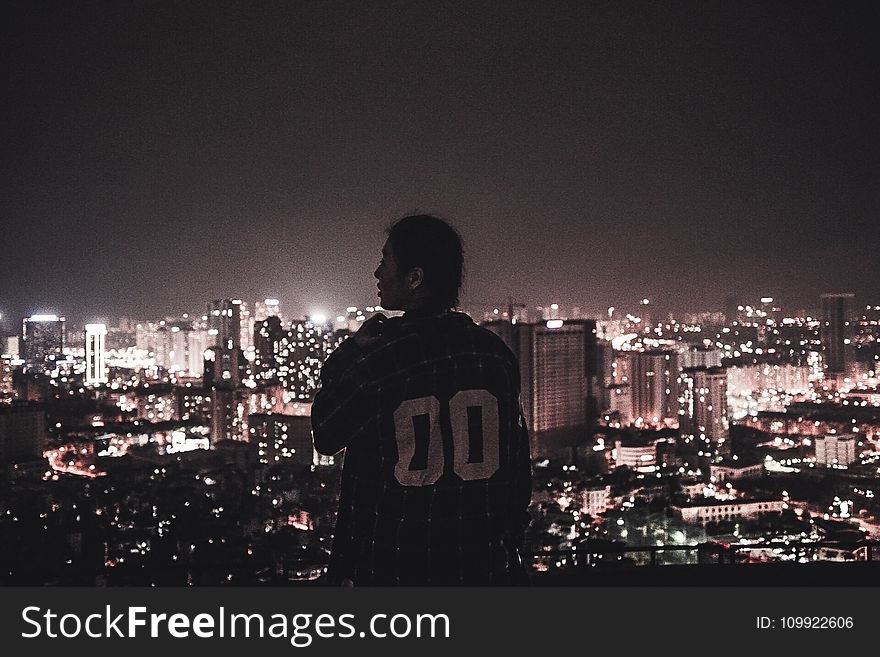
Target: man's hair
{"x":433,"y":245}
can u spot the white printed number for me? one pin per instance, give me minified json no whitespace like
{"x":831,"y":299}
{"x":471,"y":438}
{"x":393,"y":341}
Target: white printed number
{"x":473,"y":416}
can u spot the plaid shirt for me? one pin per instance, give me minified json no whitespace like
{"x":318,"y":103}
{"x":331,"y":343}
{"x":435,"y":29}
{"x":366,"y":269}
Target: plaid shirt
{"x":437,"y":473}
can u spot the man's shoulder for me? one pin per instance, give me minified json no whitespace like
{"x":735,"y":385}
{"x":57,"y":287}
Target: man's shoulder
{"x":491,"y":341}
{"x":455,"y":331}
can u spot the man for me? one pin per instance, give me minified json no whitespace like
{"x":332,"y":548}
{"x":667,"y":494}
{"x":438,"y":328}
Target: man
{"x":437,"y":473}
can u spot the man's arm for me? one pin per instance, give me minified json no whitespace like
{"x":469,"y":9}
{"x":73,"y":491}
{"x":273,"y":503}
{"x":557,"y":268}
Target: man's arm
{"x":344,"y":405}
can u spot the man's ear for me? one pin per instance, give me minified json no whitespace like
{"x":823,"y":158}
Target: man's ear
{"x":415,"y":278}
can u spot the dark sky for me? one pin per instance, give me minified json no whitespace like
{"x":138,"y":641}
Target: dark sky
{"x":156,"y":155}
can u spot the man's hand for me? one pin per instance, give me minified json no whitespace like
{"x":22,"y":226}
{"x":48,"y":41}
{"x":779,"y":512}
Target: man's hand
{"x":370,"y":331}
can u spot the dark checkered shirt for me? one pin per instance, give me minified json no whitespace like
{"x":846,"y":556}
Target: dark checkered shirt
{"x":437,"y":472}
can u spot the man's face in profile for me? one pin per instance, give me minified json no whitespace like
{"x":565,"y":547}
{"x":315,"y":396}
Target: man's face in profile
{"x":392,"y":290}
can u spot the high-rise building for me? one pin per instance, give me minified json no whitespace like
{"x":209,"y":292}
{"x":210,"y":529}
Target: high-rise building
{"x":653,"y":380}
{"x":229,"y":414}
{"x":558,"y":369}
{"x":271,"y":350}
{"x":224,"y":323}
{"x":192,"y":403}
{"x":96,"y":357}
{"x":703,"y":409}
{"x":292,"y":356}
{"x":43,"y":339}
{"x":224,"y":367}
{"x":310,"y":344}
{"x":246,"y":339}
{"x":836,"y":331}
{"x":620,"y":402}
{"x":180,"y":347}
{"x":147,"y":337}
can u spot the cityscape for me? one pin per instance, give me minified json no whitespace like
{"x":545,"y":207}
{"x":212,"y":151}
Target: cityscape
{"x":668,"y":212}
{"x":177,"y":451}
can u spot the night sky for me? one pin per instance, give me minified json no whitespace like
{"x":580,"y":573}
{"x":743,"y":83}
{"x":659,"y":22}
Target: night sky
{"x":156,"y":155}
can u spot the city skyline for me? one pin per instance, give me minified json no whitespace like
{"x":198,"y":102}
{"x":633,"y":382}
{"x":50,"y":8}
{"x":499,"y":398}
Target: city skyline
{"x":161,"y":155}
{"x":659,"y":310}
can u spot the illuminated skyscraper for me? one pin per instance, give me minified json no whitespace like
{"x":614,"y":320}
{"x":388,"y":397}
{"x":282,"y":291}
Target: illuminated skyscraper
{"x":272,"y":350}
{"x":147,"y":336}
{"x":246,"y":339}
{"x":224,"y":367}
{"x":653,"y":380}
{"x":229,"y":414}
{"x":96,"y":363}
{"x":310,"y":344}
{"x":710,"y":422}
{"x":559,"y":371}
{"x":180,"y":347}
{"x":224,"y":323}
{"x":836,"y":331}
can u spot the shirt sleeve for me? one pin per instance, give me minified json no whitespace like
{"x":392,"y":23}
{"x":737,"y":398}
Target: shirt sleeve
{"x":520,"y":462}
{"x":522,"y":485}
{"x":346,"y":403}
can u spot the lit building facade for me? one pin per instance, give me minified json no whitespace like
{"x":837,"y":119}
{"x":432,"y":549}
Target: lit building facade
{"x":732,"y":471}
{"x":701,"y":356}
{"x":654,"y":381}
{"x":192,"y":403}
{"x":271,"y":349}
{"x":704,"y":513}
{"x":637,"y":457}
{"x":293,"y":356}
{"x":224,"y":323}
{"x":620,"y":402}
{"x":310,"y":344}
{"x":96,"y":355}
{"x":229,"y":414}
{"x":246,"y":327}
{"x":836,"y":450}
{"x":282,"y":438}
{"x":224,"y":367}
{"x":710,"y":409}
{"x":595,"y":500}
{"x":559,"y":371}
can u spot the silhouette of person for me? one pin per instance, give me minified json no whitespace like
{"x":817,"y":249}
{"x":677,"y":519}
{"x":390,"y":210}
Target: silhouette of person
{"x":437,"y":472}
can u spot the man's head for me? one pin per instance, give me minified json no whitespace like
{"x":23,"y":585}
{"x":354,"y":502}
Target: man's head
{"x":421,"y":265}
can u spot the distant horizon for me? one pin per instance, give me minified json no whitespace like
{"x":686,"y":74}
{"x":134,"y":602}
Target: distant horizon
{"x":72,"y":317}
